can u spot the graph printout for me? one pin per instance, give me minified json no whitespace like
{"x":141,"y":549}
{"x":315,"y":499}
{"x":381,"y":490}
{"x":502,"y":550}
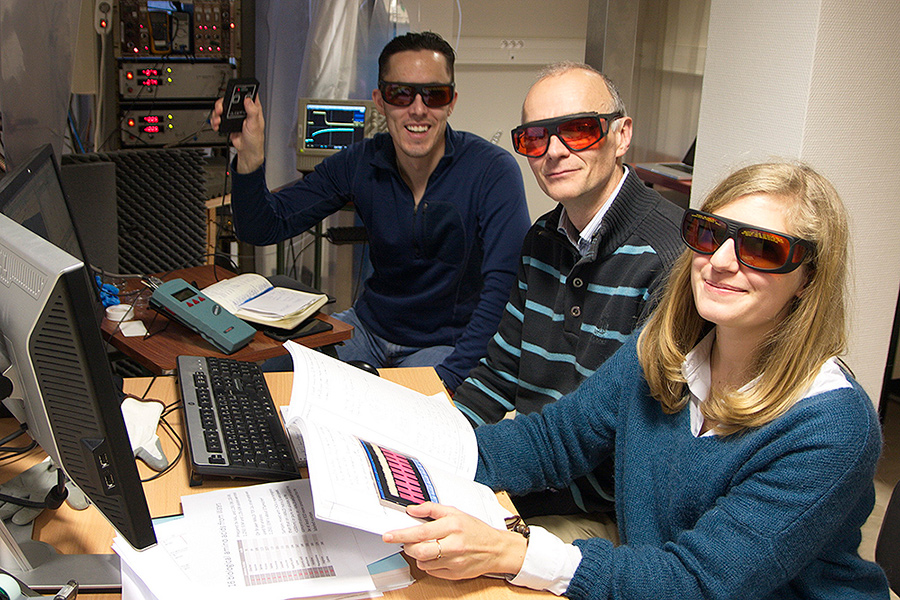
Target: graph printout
{"x":267,"y":535}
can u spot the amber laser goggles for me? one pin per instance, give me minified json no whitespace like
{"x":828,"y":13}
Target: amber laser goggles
{"x":576,"y":132}
{"x":757,"y":248}
{"x":434,"y":95}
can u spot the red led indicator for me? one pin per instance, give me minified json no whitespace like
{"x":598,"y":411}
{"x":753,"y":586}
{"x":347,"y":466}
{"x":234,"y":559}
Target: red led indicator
{"x":151,"y":129}
{"x":131,"y":122}
{"x":150,"y":72}
{"x":151,"y":119}
{"x":150,"y":81}
{"x":129,"y":75}
{"x":103,"y":23}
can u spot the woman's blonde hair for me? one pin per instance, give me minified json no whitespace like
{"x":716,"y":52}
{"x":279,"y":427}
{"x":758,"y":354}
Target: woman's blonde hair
{"x":812,"y":332}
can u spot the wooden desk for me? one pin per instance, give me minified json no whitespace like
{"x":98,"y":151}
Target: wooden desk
{"x":71,"y":531}
{"x":170,"y":339}
{"x":679,"y":185}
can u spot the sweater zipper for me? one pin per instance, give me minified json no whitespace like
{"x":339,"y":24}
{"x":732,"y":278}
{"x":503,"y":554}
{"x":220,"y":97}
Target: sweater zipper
{"x":419,"y":226}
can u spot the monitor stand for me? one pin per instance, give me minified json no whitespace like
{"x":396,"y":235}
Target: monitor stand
{"x":39,"y":566}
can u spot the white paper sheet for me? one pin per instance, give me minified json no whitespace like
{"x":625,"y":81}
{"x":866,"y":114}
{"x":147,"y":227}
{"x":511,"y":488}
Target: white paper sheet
{"x":265,"y":539}
{"x":335,"y":407}
{"x":330,"y":392}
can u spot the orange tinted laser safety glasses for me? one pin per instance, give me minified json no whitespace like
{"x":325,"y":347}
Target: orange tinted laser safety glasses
{"x":434,"y":95}
{"x":759,"y":249}
{"x":577,"y":132}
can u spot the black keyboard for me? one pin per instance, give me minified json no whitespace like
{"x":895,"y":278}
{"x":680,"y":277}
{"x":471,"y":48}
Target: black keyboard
{"x":231,"y":423}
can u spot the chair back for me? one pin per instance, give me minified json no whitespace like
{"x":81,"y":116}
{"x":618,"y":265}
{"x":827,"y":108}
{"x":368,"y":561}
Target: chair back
{"x":887,"y":548}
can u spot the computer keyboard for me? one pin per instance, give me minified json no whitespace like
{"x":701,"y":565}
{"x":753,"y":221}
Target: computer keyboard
{"x":231,"y":423}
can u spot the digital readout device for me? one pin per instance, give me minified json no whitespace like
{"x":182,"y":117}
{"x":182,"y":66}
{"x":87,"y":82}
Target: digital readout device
{"x":190,"y":307}
{"x":233,"y":113}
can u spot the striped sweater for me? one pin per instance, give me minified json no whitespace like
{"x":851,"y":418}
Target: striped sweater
{"x":568,"y":313}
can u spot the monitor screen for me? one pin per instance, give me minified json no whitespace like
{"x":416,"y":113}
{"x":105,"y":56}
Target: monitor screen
{"x":33,"y":196}
{"x":329,"y":126}
{"x":62,"y":384}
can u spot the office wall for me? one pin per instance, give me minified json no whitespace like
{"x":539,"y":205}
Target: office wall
{"x":501,"y":48}
{"x":817,"y":80}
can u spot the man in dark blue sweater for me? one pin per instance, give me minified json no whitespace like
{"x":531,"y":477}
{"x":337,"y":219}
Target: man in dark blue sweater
{"x":444,"y":210}
{"x":586,"y":276}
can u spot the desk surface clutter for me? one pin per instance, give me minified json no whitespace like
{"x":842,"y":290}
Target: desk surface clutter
{"x":169,"y":339}
{"x":72,"y":531}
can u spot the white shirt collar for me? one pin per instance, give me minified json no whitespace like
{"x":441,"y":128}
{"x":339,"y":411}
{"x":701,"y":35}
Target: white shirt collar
{"x":582,"y":240}
{"x":696,"y":372}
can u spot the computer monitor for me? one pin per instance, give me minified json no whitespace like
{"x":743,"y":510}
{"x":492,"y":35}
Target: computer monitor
{"x":63,"y":388}
{"x":328,"y":126}
{"x":32,"y":195}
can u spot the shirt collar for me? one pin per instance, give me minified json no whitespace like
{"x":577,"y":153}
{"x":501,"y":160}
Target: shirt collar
{"x":385,"y":156}
{"x":582,"y":240}
{"x":697,"y":374}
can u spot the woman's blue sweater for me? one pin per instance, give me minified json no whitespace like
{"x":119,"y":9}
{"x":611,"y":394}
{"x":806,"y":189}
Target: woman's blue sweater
{"x":773,"y":512}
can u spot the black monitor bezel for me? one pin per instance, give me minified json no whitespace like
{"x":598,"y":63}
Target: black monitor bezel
{"x":13,"y":182}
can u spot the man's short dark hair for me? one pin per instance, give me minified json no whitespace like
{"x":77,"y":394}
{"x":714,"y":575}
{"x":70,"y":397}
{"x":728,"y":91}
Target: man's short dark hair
{"x":427,"y":40}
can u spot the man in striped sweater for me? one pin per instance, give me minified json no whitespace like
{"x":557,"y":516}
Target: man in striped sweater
{"x":586,"y":277}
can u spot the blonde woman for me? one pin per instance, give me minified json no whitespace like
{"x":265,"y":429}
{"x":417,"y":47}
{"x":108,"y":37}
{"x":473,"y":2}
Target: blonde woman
{"x":744,"y":452}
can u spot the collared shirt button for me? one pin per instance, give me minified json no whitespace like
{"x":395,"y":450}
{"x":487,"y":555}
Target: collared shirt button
{"x":576,"y":311}
{"x":578,"y":282}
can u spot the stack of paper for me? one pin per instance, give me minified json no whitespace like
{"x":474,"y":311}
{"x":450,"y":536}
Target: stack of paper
{"x":261,"y":541}
{"x":373,"y":447}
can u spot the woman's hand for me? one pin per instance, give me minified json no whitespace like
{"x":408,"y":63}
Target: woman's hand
{"x":454,"y":545}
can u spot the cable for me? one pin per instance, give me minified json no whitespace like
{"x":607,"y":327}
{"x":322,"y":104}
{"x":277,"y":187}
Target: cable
{"x":98,"y":110}
{"x":104,"y":273}
{"x":72,"y":131}
{"x":15,"y":450}
{"x":24,"y":502}
{"x":295,"y":255}
{"x":203,"y":128}
{"x":220,"y":231}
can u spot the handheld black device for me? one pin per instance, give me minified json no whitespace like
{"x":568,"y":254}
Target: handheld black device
{"x":233,"y":112}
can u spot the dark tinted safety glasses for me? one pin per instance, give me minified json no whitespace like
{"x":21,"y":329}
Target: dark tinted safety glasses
{"x":434,"y":95}
{"x":576,"y":132}
{"x":760,"y":249}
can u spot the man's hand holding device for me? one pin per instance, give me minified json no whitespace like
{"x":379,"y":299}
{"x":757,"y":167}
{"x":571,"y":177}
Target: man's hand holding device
{"x":248,"y":136}
{"x":234,"y":111}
